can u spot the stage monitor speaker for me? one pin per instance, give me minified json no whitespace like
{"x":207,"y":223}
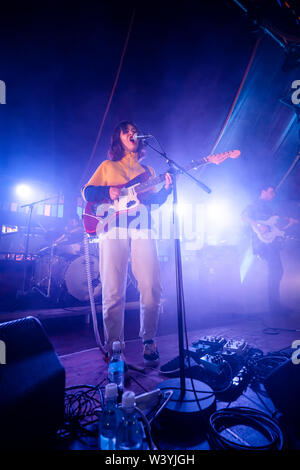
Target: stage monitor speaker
{"x":32,"y":386}
{"x":283,"y":387}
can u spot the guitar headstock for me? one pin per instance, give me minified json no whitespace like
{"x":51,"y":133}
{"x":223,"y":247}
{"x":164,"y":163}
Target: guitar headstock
{"x":221,"y":157}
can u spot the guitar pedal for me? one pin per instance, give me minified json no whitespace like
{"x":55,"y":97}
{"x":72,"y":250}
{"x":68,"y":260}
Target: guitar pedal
{"x":234,"y":347}
{"x":208,"y":345}
{"x":214,"y":364}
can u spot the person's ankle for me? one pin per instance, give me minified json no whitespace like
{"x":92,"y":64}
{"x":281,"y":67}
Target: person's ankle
{"x":151,"y":354}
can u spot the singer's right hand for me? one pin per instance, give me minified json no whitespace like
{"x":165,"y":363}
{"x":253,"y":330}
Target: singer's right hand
{"x":114,"y":193}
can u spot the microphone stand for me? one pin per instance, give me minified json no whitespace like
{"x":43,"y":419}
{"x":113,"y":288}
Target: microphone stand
{"x":185,"y":401}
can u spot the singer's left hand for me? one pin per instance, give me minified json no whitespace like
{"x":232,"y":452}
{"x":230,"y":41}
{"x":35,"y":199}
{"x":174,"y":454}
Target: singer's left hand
{"x":168,"y":180}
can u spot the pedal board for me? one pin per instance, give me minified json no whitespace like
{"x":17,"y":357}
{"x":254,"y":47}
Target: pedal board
{"x":211,"y":359}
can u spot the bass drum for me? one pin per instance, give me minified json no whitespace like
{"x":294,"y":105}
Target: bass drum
{"x":76,"y":278}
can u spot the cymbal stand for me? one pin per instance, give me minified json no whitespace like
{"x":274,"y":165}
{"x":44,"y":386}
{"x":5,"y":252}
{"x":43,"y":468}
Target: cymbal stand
{"x":31,"y":206}
{"x":50,"y":271}
{"x":49,"y":281}
{"x":27,"y":246}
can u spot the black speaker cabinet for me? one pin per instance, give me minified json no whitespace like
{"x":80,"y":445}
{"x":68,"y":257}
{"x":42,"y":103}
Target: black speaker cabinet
{"x":283,"y":387}
{"x":32,"y":385}
{"x":11,"y":280}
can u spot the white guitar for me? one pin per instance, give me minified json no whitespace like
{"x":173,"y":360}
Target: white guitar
{"x":98,"y":214}
{"x":267,"y":230}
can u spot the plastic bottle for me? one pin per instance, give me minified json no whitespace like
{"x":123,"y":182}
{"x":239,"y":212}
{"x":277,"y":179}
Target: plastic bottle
{"x":116,"y":367}
{"x":109,"y":419}
{"x":130,"y":432}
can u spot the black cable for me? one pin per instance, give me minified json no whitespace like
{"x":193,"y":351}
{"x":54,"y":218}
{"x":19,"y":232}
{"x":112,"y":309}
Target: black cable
{"x":147,"y":429}
{"x":81,"y":401}
{"x":228,"y":417}
{"x":262,"y":367}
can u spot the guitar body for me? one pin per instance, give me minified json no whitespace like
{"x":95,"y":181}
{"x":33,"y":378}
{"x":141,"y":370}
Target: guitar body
{"x":91,"y":220}
{"x":268,"y":236}
{"x":98,"y":216}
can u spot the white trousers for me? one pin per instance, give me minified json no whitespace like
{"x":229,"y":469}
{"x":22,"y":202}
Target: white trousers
{"x":115,"y":247}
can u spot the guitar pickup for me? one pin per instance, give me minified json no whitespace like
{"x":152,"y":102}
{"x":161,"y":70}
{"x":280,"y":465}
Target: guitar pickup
{"x":130,"y":204}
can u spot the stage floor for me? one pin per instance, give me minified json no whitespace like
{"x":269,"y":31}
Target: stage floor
{"x":87,"y":366}
{"x":75,"y":344}
{"x":73,"y":339}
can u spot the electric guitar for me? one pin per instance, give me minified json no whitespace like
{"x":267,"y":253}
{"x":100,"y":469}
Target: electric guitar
{"x":267,"y":230}
{"x":99,"y":214}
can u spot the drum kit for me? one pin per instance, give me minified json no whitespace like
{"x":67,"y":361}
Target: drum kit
{"x":60,"y":270}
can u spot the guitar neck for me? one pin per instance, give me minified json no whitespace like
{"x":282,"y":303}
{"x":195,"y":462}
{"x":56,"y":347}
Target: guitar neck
{"x":160,"y":178}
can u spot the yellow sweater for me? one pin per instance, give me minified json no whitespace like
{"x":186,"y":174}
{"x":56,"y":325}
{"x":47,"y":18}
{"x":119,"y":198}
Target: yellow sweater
{"x":111,"y":173}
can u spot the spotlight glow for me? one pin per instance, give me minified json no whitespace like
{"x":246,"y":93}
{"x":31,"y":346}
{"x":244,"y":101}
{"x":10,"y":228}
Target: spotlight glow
{"x":219,"y":214}
{"x":222,"y":222}
{"x":24,"y":192}
{"x":181,"y":209}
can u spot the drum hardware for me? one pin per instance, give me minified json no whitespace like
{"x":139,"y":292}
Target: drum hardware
{"x":49,"y":277}
{"x":76,"y":278}
{"x":30,"y":207}
{"x":68,"y":249}
{"x":60,"y":273}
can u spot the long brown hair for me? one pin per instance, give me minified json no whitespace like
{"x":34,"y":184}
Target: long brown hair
{"x":116,"y":150}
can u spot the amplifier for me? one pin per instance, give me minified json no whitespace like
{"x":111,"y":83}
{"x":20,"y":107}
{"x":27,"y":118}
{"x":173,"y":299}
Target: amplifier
{"x":32,"y":387}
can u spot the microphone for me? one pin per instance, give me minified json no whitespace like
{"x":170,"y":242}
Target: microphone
{"x":136,"y":136}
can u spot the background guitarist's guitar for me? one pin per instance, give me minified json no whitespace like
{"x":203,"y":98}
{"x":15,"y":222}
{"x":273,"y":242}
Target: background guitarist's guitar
{"x":268,"y":230}
{"x":98,"y":215}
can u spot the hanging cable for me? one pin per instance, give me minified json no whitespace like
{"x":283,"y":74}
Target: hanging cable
{"x":109,"y":101}
{"x":237,"y":95}
{"x":288,"y":171}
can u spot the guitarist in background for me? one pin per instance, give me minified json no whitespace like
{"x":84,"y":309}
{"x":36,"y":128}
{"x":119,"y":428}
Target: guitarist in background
{"x":125,"y":155}
{"x":261,"y":210}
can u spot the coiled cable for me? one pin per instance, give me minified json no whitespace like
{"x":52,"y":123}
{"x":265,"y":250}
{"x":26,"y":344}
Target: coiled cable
{"x":224,"y":419}
{"x":91,"y":292}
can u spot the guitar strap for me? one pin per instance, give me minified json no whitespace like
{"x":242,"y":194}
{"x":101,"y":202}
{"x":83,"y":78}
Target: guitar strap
{"x":146,"y":169}
{"x":140,"y":178}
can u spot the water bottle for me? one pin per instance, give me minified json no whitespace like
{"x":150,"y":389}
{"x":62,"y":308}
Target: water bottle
{"x":130,"y":432}
{"x":116,"y":367}
{"x":109,"y":419}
